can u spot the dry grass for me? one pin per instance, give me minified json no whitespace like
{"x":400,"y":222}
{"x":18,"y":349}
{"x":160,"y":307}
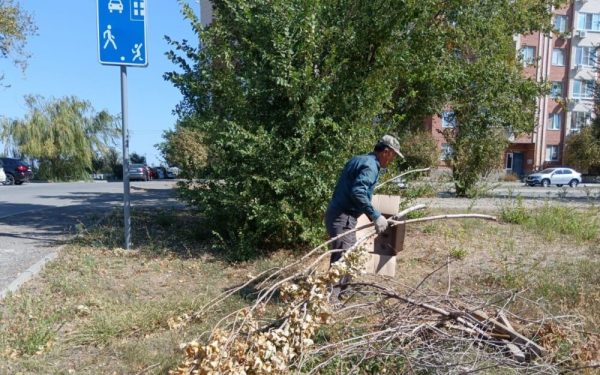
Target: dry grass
{"x":99,"y":309}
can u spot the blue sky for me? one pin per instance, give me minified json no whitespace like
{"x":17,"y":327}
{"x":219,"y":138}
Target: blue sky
{"x":64,"y":62}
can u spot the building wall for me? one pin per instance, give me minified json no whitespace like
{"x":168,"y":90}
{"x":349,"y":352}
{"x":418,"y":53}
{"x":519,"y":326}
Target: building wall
{"x":206,"y":12}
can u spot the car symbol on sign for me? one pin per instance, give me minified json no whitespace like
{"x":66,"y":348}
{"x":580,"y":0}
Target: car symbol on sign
{"x":115,"y":5}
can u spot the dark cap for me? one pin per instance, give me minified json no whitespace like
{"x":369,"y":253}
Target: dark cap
{"x":391,"y":142}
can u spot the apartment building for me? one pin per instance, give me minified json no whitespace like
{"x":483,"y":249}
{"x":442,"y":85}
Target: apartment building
{"x":566,"y":59}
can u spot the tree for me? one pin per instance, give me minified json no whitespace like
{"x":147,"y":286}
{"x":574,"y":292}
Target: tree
{"x":137,"y":159}
{"x":16,"y":26}
{"x":582,"y":150}
{"x":465,"y":61}
{"x":283,"y":92}
{"x":492,"y":97}
{"x":419,"y":149}
{"x":106,"y":162}
{"x":184,"y":148}
{"x":63,"y":134}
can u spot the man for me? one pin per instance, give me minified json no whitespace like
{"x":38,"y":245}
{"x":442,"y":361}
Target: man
{"x":353,"y":193}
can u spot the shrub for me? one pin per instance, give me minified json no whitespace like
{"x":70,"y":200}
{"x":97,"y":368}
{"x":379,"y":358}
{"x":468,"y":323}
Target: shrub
{"x":514,"y":212}
{"x":509,"y":177}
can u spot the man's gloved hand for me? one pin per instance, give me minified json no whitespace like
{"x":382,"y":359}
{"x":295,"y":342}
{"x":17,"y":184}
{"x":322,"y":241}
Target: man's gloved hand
{"x":381,"y":224}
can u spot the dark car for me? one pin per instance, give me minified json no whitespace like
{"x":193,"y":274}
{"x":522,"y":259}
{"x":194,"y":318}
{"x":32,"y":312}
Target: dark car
{"x":16,"y":170}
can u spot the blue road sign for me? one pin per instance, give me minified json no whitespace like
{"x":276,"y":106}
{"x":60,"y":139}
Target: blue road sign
{"x":122,"y":32}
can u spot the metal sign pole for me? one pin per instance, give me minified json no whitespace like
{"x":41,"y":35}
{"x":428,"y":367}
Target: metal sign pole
{"x":122,"y":41}
{"x":126,"y":197}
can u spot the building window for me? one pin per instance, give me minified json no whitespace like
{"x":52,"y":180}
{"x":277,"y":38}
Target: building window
{"x":557,"y":89}
{"x":554,"y":123}
{"x":448,"y":119}
{"x":560,"y":23}
{"x":588,"y":21}
{"x":509,"y":161}
{"x":583,"y":89}
{"x":585,"y":56}
{"x":447,"y":151}
{"x":580,"y":120}
{"x":552,"y":153}
{"x":528,"y":55}
{"x":558,"y":57}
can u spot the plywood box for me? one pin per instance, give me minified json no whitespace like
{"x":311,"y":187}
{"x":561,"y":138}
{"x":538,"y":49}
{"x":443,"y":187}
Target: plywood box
{"x":383,"y":248}
{"x":386,"y":204}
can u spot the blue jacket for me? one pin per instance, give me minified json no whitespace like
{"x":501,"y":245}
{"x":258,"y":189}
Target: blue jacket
{"x":354,"y":188}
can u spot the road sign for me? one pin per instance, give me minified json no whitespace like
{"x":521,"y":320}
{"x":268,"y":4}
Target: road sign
{"x":122,"y":32}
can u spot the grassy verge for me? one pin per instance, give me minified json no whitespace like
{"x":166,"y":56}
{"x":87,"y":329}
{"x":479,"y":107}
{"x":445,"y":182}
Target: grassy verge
{"x":100,"y":309}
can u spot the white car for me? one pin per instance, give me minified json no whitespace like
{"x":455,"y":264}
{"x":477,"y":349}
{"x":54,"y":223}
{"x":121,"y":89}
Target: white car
{"x":115,"y":5}
{"x":2,"y":174}
{"x":554,"y":176}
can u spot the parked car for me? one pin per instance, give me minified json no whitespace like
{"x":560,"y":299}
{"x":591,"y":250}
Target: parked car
{"x":172,"y":172}
{"x":139,"y":172}
{"x":16,"y":170}
{"x":161,"y":172}
{"x":554,"y":176}
{"x":2,"y":174}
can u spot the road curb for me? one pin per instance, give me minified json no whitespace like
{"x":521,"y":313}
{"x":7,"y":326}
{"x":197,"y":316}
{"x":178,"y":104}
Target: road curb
{"x":29,"y":273}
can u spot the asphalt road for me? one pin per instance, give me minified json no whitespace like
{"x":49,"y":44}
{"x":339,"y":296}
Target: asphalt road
{"x":35,"y":217}
{"x":584,"y":195}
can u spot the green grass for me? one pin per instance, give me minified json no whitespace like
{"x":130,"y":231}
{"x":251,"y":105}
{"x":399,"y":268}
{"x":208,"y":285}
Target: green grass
{"x":554,"y":222}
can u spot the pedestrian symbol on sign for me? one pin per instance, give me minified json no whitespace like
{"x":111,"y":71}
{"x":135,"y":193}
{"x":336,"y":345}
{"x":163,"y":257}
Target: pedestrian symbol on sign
{"x":137,"y":54}
{"x":110,"y":38}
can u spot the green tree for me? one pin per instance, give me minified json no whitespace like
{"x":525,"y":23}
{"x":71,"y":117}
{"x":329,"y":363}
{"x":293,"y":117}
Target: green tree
{"x":16,"y":26}
{"x":492,"y":97}
{"x":135,"y":158}
{"x":420,"y":150}
{"x":582,"y":150}
{"x":106,"y":162}
{"x":283,"y":92}
{"x":184,"y":148}
{"x":63,"y":135}
{"x":465,"y":61}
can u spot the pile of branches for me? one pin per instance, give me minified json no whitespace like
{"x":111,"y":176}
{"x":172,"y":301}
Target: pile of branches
{"x":377,"y":325}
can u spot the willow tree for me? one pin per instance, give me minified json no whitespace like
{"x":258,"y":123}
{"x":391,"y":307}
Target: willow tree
{"x":63,"y":135}
{"x":16,"y":25}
